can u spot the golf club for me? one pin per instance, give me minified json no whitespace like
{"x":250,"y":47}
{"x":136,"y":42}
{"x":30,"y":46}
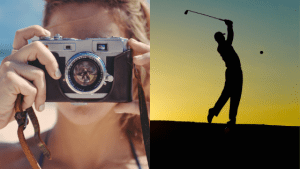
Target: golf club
{"x":203,"y":14}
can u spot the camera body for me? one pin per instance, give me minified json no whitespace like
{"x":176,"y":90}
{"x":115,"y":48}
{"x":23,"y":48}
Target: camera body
{"x":93,"y":70}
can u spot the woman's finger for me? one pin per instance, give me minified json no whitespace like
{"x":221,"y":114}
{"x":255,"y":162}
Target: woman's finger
{"x":31,"y":73}
{"x":16,"y":85}
{"x":143,"y":60}
{"x":23,"y":35}
{"x":132,"y":107}
{"x":13,"y":51}
{"x":37,"y":50}
{"x":138,"y":47}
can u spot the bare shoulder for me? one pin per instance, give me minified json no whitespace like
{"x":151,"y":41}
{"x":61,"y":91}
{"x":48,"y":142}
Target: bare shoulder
{"x":12,"y":155}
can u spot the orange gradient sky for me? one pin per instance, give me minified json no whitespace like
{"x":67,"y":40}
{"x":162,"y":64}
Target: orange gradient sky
{"x":188,"y":74}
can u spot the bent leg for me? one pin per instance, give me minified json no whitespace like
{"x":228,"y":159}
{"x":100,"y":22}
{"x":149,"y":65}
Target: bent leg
{"x":222,"y":99}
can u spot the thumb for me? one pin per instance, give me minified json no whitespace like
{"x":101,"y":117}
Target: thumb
{"x":132,"y":107}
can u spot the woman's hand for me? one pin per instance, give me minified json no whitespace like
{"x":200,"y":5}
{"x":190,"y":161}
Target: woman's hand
{"x":16,"y":74}
{"x":141,"y":58}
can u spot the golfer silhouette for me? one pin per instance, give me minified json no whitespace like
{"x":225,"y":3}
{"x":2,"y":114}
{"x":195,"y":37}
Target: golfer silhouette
{"x":233,"y":76}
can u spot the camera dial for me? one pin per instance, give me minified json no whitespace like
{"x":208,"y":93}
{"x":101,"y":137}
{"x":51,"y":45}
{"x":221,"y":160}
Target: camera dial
{"x":45,"y":38}
{"x":57,"y":37}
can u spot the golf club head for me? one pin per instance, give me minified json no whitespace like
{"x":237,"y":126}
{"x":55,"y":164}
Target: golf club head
{"x":186,"y":12}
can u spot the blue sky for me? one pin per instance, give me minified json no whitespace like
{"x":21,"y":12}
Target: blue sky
{"x":14,"y":15}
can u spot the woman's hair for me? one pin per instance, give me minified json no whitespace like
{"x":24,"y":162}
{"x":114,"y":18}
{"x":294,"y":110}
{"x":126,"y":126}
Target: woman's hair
{"x":134,"y":16}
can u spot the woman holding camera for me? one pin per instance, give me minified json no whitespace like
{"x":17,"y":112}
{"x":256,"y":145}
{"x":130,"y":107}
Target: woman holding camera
{"x":96,"y":135}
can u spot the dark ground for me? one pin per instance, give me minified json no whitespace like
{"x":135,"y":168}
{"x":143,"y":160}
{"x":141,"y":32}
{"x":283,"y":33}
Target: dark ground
{"x":202,"y":145}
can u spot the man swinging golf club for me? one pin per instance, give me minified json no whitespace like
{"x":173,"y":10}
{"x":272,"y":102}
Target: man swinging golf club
{"x":233,"y":76}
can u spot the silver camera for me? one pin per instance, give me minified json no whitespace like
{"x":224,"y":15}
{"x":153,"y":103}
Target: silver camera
{"x":94,"y":69}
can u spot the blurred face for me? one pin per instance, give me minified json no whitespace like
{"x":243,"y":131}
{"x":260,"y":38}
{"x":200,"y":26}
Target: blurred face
{"x":75,"y":21}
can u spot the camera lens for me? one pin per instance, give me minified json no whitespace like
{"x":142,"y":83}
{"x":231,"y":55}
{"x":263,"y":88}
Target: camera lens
{"x":85,"y":73}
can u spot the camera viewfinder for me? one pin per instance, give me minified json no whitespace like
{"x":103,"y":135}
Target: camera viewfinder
{"x":101,"y":47}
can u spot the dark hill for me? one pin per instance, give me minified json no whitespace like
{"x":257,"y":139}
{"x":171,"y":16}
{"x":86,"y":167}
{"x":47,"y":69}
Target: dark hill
{"x":202,"y":145}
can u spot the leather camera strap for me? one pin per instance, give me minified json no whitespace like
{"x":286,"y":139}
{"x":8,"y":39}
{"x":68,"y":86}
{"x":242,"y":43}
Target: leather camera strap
{"x":21,"y":117}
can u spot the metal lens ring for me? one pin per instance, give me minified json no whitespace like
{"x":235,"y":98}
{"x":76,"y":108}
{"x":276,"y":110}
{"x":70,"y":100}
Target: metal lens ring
{"x":85,"y":73}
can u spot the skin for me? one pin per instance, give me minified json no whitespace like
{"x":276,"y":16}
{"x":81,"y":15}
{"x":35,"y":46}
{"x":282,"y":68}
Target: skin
{"x":84,"y":136}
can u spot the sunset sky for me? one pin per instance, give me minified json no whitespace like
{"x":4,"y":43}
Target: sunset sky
{"x":188,"y":74}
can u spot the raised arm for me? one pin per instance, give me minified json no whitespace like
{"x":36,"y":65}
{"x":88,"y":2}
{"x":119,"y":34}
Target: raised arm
{"x":229,"y":31}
